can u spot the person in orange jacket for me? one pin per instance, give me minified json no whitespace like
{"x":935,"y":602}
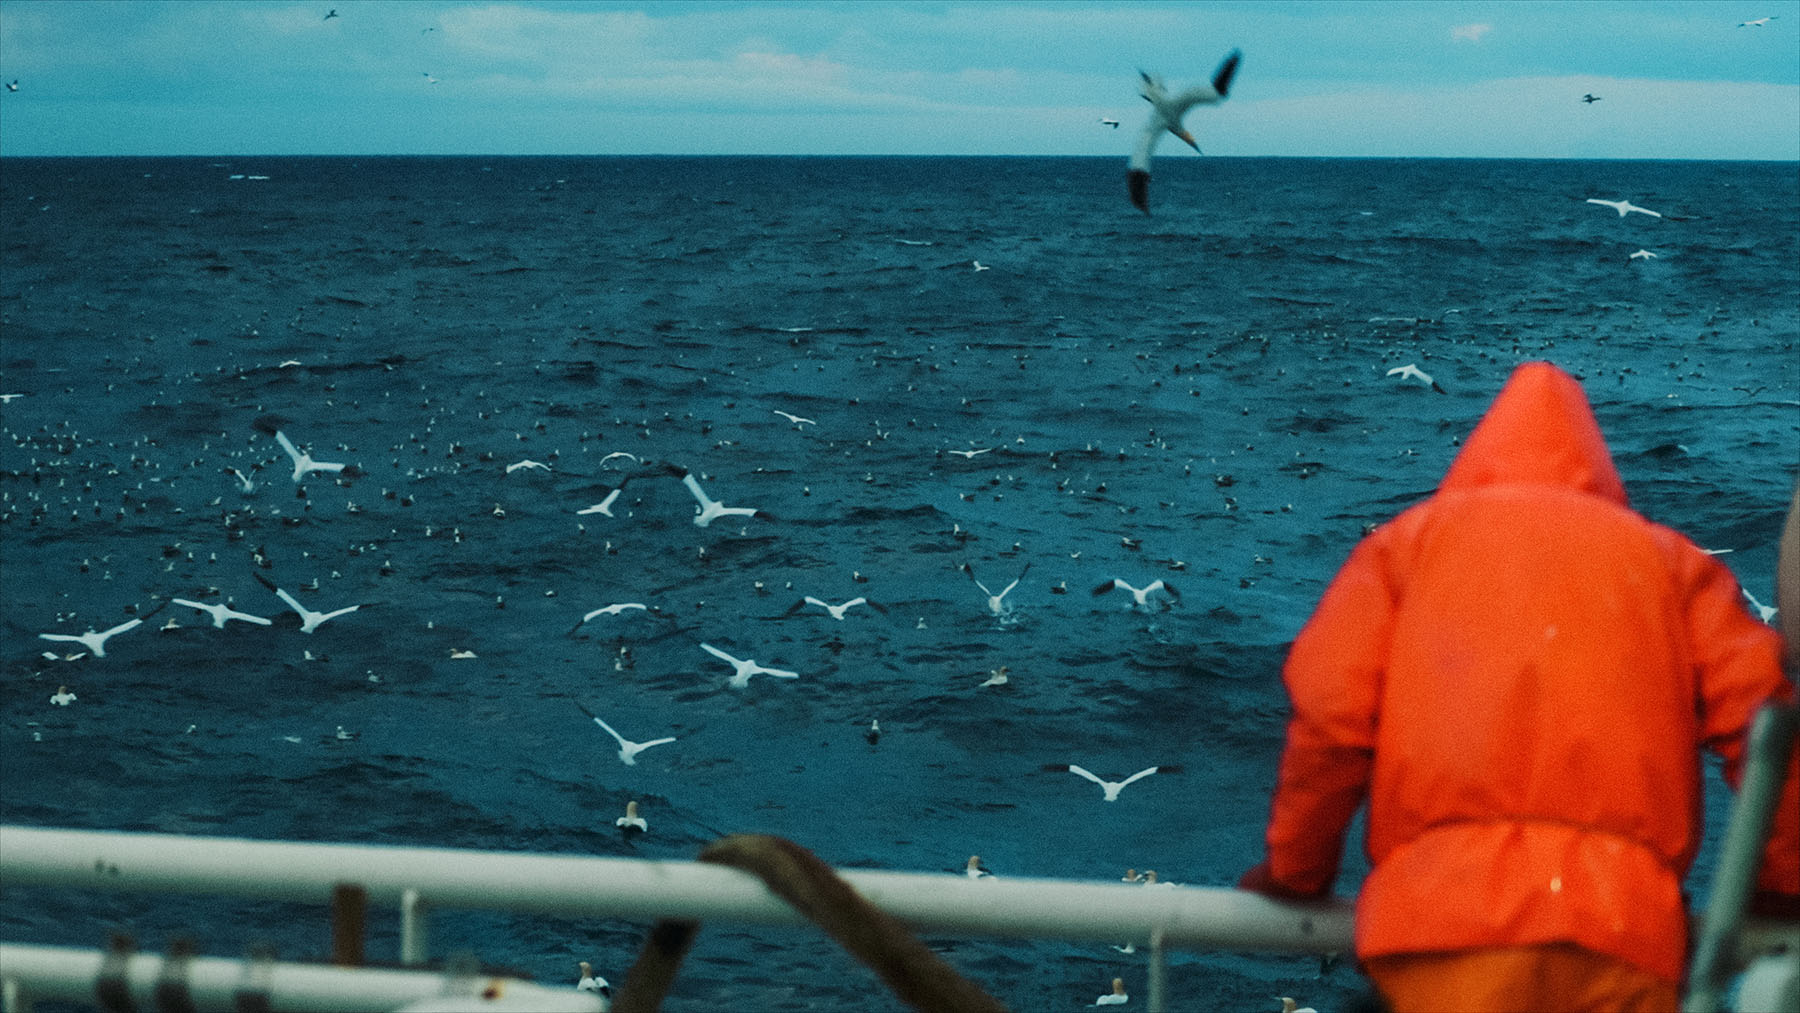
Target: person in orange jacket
{"x":1518,"y":675}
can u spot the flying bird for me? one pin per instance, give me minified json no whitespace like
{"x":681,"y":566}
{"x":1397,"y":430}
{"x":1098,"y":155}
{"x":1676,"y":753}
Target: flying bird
{"x":12,"y":85}
{"x":628,"y":749}
{"x":309,"y":619}
{"x":611,"y":610}
{"x":222,"y":613}
{"x":795,"y":419}
{"x":330,"y":14}
{"x":1112,"y":788}
{"x":1643,"y":255}
{"x":428,"y":78}
{"x":1623,"y":207}
{"x":96,"y":642}
{"x":1139,"y":596}
{"x":1590,"y":99}
{"x":1411,"y":371}
{"x":1758,"y":22}
{"x":837,"y":611}
{"x":303,"y":462}
{"x":996,"y":603}
{"x":708,"y":509}
{"x":1166,"y":112}
{"x":746,"y":669}
{"x":1110,"y":122}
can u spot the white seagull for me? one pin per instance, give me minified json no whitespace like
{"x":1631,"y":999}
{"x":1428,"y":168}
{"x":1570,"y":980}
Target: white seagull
{"x":974,"y":870}
{"x":628,"y":750}
{"x":516,"y":465}
{"x":1411,"y":371}
{"x":996,"y":603}
{"x":795,"y":419}
{"x":1139,"y":596}
{"x":837,"y":611}
{"x":746,"y":669}
{"x":309,"y":620}
{"x":614,"y":609}
{"x":1166,"y":112}
{"x":709,"y":509}
{"x":605,"y":506}
{"x":1112,"y":788}
{"x":1116,"y":997}
{"x":1624,"y":207}
{"x":1643,"y":255}
{"x":631,"y":820}
{"x":221,"y":613}
{"x":1758,"y":22}
{"x":96,"y":642}
{"x":303,"y":463}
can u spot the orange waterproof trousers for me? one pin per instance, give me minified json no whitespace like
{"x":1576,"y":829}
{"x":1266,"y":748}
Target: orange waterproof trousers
{"x":1516,"y":979}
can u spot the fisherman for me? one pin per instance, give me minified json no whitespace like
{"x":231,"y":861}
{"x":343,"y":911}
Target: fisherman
{"x":1517,"y":674}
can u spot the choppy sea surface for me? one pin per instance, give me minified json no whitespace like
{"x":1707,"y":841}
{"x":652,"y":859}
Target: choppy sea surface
{"x":1199,"y":396}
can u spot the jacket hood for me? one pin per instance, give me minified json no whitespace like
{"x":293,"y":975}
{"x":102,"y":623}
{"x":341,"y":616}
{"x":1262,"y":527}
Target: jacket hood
{"x":1538,"y":431}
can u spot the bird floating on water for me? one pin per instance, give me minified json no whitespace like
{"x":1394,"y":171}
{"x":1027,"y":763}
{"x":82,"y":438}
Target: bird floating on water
{"x":631,"y":821}
{"x":974,"y":869}
{"x":591,"y":982}
{"x":1166,"y":112}
{"x":1117,"y":997}
{"x":63,"y":697}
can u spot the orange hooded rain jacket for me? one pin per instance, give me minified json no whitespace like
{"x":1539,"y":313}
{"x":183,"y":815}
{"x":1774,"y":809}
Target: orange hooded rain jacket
{"x":1518,"y":674}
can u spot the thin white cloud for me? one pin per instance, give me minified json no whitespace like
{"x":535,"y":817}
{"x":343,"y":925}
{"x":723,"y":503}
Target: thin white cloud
{"x":1470,"y":33}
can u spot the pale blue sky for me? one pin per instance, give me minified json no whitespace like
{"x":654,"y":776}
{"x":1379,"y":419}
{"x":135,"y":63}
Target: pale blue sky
{"x":1505,"y":79}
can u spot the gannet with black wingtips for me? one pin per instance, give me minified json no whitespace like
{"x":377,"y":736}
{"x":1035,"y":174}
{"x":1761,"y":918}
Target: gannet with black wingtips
{"x":1166,"y":112}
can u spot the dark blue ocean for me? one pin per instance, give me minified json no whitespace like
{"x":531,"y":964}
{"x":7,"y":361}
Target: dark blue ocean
{"x":1198,"y":396}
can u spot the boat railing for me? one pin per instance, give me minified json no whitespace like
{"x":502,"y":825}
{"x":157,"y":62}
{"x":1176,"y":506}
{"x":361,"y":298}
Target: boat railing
{"x":414,"y":881}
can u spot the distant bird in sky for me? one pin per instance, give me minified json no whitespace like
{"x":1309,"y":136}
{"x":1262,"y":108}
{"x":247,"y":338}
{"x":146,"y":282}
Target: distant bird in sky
{"x":1590,"y":99}
{"x":1166,"y":112}
{"x":1643,"y":255}
{"x":1110,"y":122}
{"x":1111,"y":789}
{"x":1411,"y":371}
{"x":12,"y":85}
{"x":1624,"y":207}
{"x":428,"y":78}
{"x":1759,"y":22}
{"x":330,"y":14}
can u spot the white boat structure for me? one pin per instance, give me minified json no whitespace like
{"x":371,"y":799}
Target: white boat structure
{"x":414,"y":881}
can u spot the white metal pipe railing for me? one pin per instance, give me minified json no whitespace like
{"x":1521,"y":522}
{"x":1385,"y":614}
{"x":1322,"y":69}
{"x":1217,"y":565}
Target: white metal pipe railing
{"x":568,"y":885}
{"x":63,"y":974}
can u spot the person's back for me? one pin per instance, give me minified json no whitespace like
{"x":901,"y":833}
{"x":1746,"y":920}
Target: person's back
{"x":1519,"y":672}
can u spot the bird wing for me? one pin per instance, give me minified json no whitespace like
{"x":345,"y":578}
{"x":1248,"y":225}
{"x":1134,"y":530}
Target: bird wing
{"x":59,"y":636}
{"x":1084,"y":772}
{"x":655,"y":742}
{"x":339,"y":612}
{"x":602,"y":724}
{"x":1108,"y":586}
{"x":779,"y":673}
{"x":1166,"y":586}
{"x":1146,"y":143}
{"x":700,"y":496}
{"x":292,"y":602}
{"x":193,"y":604}
{"x":231,"y":613}
{"x":1146,"y":772}
{"x":288,"y":445}
{"x":721,"y":655}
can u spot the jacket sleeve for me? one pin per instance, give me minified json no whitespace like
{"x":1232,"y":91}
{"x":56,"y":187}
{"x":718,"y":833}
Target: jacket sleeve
{"x":1738,"y":665}
{"x":1333,"y":676}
